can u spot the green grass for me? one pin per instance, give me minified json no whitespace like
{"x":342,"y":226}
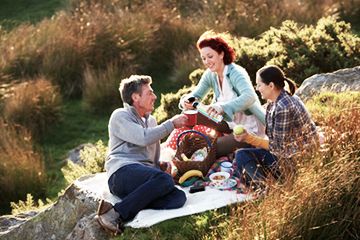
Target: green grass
{"x":15,"y":12}
{"x":196,"y":226}
{"x":76,"y":127}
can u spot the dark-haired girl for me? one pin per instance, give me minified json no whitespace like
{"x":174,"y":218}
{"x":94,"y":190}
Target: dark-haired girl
{"x":289,"y":129}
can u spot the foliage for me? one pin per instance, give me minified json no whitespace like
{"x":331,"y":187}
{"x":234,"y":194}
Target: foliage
{"x":22,"y":168}
{"x":170,"y":104}
{"x":101,"y":89}
{"x":35,"y":104}
{"x":29,"y":205}
{"x":332,"y":104}
{"x":302,"y":51}
{"x":93,"y":159}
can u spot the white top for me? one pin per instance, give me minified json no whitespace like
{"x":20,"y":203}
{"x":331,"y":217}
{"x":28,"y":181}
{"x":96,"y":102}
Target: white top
{"x":250,"y":122}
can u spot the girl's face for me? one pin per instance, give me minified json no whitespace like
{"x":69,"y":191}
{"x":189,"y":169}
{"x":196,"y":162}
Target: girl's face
{"x":264,"y":89}
{"x":212,"y":59}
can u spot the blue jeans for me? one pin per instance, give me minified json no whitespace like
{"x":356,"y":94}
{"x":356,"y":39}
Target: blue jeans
{"x":248,"y":161}
{"x":141,"y":187}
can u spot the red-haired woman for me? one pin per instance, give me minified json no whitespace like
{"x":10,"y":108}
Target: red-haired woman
{"x":234,"y":95}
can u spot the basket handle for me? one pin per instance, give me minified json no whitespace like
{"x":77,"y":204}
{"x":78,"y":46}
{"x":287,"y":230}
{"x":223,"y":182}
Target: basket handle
{"x":193,"y":131}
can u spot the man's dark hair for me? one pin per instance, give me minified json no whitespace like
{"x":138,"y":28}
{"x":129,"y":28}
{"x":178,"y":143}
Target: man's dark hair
{"x":131,"y":85}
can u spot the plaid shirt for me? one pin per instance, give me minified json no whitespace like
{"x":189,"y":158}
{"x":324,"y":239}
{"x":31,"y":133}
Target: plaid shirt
{"x":289,"y":126}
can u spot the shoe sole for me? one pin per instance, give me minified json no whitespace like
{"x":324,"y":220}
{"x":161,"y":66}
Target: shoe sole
{"x":108,"y":230}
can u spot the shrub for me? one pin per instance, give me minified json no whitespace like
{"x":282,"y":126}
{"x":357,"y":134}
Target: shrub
{"x":184,"y":65}
{"x":302,"y":51}
{"x":34,"y":104}
{"x":169,"y":105}
{"x":332,"y":104}
{"x":101,"y":89}
{"x":28,"y":205}
{"x":93,"y":162}
{"x":22,"y":169}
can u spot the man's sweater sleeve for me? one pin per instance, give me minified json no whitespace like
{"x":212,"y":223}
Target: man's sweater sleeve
{"x":124,"y":128}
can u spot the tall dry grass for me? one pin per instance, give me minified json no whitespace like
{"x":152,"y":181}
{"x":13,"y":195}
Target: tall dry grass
{"x":101,"y":88}
{"x":22,"y":169}
{"x":34,"y":104}
{"x":322,"y":201}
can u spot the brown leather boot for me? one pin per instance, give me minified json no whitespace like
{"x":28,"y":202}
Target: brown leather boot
{"x":109,"y":219}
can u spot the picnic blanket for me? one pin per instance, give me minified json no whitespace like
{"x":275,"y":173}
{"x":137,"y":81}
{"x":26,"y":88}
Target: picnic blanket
{"x":96,"y":186}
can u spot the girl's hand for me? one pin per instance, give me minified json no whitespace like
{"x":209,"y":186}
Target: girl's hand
{"x":241,"y":137}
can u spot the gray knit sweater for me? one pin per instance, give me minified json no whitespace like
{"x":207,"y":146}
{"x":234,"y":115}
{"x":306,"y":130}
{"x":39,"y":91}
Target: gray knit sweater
{"x":134,"y":140}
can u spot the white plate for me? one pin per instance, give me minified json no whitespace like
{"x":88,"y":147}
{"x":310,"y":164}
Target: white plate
{"x":224,"y":185}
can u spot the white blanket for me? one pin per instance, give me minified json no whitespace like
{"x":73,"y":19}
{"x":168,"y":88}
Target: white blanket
{"x":96,"y":186}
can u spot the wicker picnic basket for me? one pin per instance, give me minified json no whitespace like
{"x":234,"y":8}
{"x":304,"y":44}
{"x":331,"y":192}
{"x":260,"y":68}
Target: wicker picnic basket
{"x":188,"y":142}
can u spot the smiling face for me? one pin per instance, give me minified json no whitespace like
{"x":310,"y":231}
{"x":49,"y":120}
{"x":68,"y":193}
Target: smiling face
{"x":212,"y":59}
{"x":264,"y":89}
{"x":144,"y":102}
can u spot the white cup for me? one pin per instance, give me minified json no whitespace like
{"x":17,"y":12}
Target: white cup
{"x":226,"y":167}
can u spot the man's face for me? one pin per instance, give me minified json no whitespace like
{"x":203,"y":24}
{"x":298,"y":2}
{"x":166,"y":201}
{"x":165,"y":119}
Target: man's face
{"x":144,"y":102}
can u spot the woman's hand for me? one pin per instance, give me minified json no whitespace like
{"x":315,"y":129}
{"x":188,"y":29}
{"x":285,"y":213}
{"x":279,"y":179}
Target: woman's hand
{"x":188,"y":105}
{"x":186,"y":102}
{"x":215,"y":110}
{"x":241,"y":137}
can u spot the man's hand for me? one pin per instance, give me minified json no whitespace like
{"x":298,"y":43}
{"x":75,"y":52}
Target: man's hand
{"x":179,"y":120}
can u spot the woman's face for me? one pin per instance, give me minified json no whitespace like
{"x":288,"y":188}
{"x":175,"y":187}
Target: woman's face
{"x":264,"y":89}
{"x":212,"y":59}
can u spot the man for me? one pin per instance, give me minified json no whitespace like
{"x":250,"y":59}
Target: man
{"x":133,"y":158}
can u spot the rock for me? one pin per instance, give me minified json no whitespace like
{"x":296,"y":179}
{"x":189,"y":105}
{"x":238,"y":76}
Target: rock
{"x":339,"y":81}
{"x":88,"y":228}
{"x":71,"y":217}
{"x":74,"y":154}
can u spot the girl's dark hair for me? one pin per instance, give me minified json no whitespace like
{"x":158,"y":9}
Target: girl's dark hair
{"x":218,"y":43}
{"x":275,"y":75}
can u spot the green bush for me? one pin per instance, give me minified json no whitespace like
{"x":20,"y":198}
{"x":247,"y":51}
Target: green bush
{"x":29,"y":205}
{"x":35,"y":104}
{"x":302,"y":51}
{"x":169,"y":105}
{"x":93,"y":159}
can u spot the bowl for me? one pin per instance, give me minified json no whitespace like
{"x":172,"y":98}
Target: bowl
{"x":219,"y":177}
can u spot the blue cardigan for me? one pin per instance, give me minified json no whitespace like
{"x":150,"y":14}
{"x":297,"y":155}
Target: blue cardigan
{"x":247,"y":100}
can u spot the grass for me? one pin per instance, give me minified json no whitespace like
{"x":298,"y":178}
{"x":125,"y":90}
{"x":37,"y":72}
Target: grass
{"x":196,"y":226}
{"x":78,"y":126}
{"x":15,"y":12}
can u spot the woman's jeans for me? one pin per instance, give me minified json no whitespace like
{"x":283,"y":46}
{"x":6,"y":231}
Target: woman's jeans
{"x":255,"y":162}
{"x":141,"y":187}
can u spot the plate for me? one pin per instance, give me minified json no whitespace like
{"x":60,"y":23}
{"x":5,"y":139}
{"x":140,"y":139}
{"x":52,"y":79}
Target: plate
{"x":224,"y":185}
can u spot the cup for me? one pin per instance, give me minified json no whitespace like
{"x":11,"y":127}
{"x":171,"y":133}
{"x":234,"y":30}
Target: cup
{"x":192,"y":117}
{"x":226,"y":167}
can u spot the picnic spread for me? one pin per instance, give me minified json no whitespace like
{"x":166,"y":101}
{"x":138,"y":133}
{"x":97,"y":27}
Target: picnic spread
{"x":213,"y":197}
